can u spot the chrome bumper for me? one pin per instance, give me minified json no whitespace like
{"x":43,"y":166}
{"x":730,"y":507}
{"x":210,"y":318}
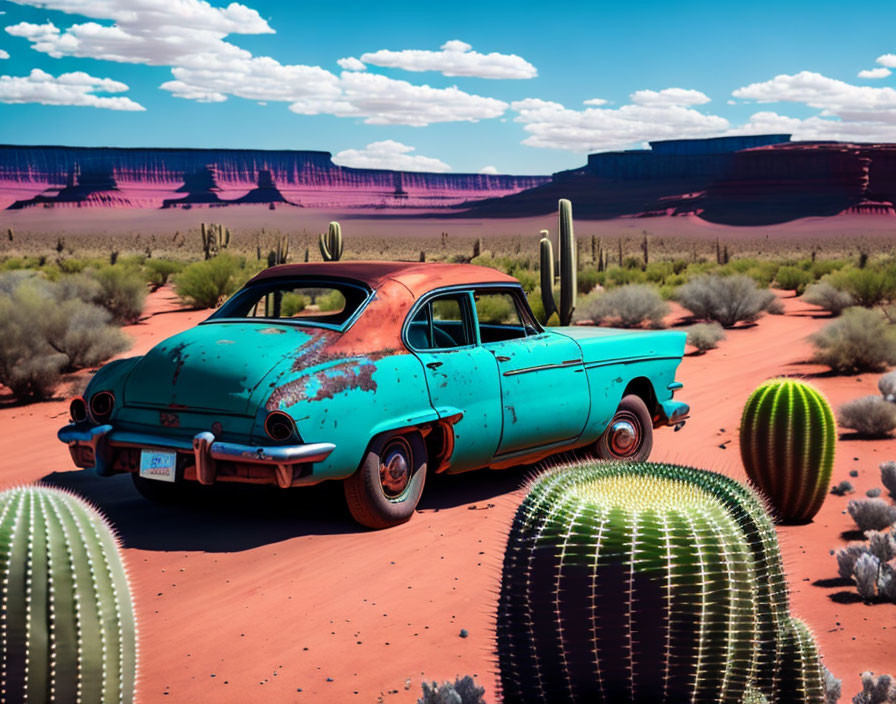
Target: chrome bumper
{"x":674,"y":413}
{"x":206,"y":450}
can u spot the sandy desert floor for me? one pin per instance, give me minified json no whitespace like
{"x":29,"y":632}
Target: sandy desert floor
{"x":276,"y":596}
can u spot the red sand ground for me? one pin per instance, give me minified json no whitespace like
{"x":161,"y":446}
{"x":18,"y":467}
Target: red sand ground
{"x":264,"y":595}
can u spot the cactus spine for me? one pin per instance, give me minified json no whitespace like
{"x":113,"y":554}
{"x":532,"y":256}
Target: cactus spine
{"x":566,"y":258}
{"x":68,"y":631}
{"x":800,"y":676}
{"x":214,"y":239}
{"x":331,"y":243}
{"x":787,"y":440}
{"x":626,"y":583}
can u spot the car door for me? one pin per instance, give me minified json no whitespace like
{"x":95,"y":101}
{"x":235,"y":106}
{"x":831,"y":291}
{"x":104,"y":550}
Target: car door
{"x":544,"y":388}
{"x":461,"y":375}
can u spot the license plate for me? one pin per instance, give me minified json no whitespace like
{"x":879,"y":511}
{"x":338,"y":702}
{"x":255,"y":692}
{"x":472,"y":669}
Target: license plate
{"x":157,"y":464}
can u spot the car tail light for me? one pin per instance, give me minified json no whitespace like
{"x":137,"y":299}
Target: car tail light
{"x":77,"y":409}
{"x":101,"y":405}
{"x":279,"y":426}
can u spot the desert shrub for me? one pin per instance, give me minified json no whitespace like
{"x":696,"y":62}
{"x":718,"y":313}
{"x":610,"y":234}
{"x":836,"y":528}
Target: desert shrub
{"x":461,"y":691}
{"x":586,"y":280}
{"x":859,"y":341}
{"x":619,"y":276}
{"x":833,"y":687}
{"x":869,"y":286}
{"x":629,"y":306}
{"x":82,"y":332}
{"x":658,"y":272}
{"x":206,"y":284}
{"x":846,"y":558}
{"x":292,"y":304}
{"x":865,"y":574}
{"x":876,"y":690}
{"x":874,"y":492}
{"x":775,"y":307}
{"x":122,"y":292}
{"x":869,"y":566}
{"x":791,"y":278}
{"x":726,"y":300}
{"x":705,"y":336}
{"x":334,"y":300}
{"x":842,"y":489}
{"x":82,"y":287}
{"x":887,"y":386}
{"x":871,"y":514}
{"x":159,"y":271}
{"x":529,"y":279}
{"x":888,"y":477}
{"x":869,"y":416}
{"x":828,"y":297}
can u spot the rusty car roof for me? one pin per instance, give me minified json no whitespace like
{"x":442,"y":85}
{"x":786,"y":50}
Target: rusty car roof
{"x":418,"y":277}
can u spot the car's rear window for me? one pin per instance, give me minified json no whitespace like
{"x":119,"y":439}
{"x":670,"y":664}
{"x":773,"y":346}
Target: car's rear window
{"x":316,"y":302}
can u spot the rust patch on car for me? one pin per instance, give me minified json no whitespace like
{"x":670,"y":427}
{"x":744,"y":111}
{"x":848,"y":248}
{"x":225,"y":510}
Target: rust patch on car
{"x":352,"y":374}
{"x":179,"y":358}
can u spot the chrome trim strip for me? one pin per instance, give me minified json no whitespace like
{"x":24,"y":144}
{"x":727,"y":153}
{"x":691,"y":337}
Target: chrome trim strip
{"x":542,"y":367}
{"x":628,"y":360}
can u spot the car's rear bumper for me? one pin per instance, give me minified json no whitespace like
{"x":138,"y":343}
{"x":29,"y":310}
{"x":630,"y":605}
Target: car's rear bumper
{"x":99,"y":448}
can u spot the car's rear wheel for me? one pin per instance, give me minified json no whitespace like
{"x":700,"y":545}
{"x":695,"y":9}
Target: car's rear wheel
{"x":630,"y":434}
{"x":158,"y":492}
{"x":385,"y":491}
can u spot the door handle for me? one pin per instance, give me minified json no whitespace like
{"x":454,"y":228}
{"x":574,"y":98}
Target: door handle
{"x":502,"y":358}
{"x":434,"y":365}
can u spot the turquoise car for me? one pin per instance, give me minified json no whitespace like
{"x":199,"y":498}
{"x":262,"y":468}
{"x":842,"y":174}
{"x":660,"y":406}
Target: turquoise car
{"x":374,"y":374}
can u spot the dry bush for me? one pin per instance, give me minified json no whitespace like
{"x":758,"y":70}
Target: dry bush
{"x":871,"y":514}
{"x":876,"y":690}
{"x":887,"y":386}
{"x":705,"y":336}
{"x":461,"y":691}
{"x":792,"y":278}
{"x":159,"y":271}
{"x":628,"y":306}
{"x":869,"y":287}
{"x":83,"y":333}
{"x":859,"y":341}
{"x":828,"y":297}
{"x":727,"y":300}
{"x":869,"y":416}
{"x":122,"y":292}
{"x":842,"y":488}
{"x":888,"y":477}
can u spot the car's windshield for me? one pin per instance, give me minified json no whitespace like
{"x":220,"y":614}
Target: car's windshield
{"x":317,"y":302}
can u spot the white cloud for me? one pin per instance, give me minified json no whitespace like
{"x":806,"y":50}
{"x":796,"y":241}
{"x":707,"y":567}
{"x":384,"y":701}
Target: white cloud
{"x":4,"y":54}
{"x":594,"y":101}
{"x":389,"y":154}
{"x":669,"y":96}
{"x":879,"y":72}
{"x":833,"y":97}
{"x":77,"y":88}
{"x":553,"y":126}
{"x":189,"y":36}
{"x":350,"y":63}
{"x":456,"y":58}
{"x":489,"y":170}
{"x":888,"y":60}
{"x":817,"y":128}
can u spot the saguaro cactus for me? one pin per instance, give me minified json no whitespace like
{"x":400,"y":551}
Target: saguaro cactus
{"x":67,"y":631}
{"x":331,"y":243}
{"x":566,"y":258}
{"x":214,"y":239}
{"x":800,"y":676}
{"x":281,"y":253}
{"x":627,"y":583}
{"x":787,"y":440}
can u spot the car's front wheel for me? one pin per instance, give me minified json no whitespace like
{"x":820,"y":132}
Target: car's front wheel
{"x":385,"y":491}
{"x":630,"y":434}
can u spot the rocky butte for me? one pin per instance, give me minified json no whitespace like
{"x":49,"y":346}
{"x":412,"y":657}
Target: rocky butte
{"x":54,"y":176}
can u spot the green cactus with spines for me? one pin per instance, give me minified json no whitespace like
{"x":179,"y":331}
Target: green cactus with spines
{"x":628,"y":582}
{"x":68,"y":631}
{"x":331,"y":243}
{"x":280,"y":254}
{"x":800,"y":674}
{"x":567,"y":264}
{"x":788,"y":437}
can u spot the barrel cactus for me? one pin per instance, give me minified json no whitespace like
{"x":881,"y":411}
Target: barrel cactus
{"x":800,"y":676}
{"x":631,"y":582}
{"x":331,"y":243}
{"x":68,"y":631}
{"x":787,"y":441}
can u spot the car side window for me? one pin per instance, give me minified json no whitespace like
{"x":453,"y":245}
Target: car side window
{"x":499,"y":317}
{"x":439,"y":324}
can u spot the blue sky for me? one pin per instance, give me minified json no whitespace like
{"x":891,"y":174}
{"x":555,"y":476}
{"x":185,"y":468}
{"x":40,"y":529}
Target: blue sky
{"x":488,"y":85}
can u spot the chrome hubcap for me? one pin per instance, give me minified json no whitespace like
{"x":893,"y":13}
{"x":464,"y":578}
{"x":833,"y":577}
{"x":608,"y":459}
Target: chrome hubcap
{"x":625,"y":437}
{"x":395,"y":470}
